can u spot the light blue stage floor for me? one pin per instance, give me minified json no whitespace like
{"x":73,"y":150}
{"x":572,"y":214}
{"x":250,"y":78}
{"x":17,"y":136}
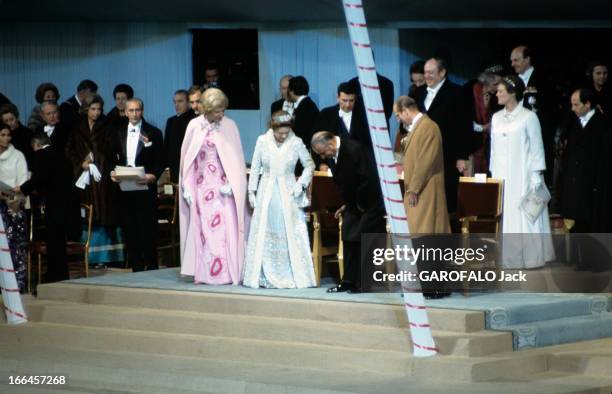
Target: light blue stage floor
{"x":535,"y":319}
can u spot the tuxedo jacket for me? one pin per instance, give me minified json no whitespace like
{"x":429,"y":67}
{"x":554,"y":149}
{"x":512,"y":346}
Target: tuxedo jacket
{"x":59,"y":138}
{"x":21,"y":138}
{"x":304,"y":118}
{"x":544,"y":103}
{"x":581,"y":167}
{"x":329,"y":120}
{"x":69,"y":112}
{"x":173,"y":140}
{"x":276,"y":106}
{"x":356,"y":176}
{"x":386,"y":93}
{"x":149,"y":155}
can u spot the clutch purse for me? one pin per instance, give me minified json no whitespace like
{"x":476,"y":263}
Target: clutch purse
{"x":534,"y":201}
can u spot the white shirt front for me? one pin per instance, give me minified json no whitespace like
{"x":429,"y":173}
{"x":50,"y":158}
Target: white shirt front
{"x":49,"y":130}
{"x":526,"y":75}
{"x":298,"y":101}
{"x":432,"y":92}
{"x":288,"y":107}
{"x":131,"y":146}
{"x":337,"y":149}
{"x":346,"y":118}
{"x":584,"y":119}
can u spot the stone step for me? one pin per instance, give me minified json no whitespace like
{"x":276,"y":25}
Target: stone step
{"x":211,"y":347}
{"x":233,"y":304}
{"x":264,"y":328}
{"x":589,"y":363}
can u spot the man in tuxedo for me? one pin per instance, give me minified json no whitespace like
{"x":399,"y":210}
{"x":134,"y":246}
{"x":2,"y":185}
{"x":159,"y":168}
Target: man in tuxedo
{"x":342,"y":120}
{"x":194,"y":94}
{"x":52,"y":179}
{"x":386,"y":94}
{"x":355,"y":174}
{"x":138,"y":144}
{"x":175,"y":132}
{"x":283,"y":104}
{"x":55,"y":128}
{"x":540,"y":98}
{"x":70,"y":108}
{"x":443,"y":101}
{"x":305,"y":111}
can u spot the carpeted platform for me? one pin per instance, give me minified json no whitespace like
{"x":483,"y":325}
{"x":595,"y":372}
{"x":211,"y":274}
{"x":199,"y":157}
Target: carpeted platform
{"x":535,"y":319}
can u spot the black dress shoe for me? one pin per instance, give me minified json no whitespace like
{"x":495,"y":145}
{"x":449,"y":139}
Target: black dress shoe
{"x":341,"y":288}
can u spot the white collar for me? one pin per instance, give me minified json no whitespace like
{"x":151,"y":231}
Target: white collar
{"x":584,"y":119}
{"x":414,"y":122}
{"x":512,"y":114}
{"x":76,"y":96}
{"x":137,"y":126}
{"x":298,"y":101}
{"x":342,"y":114}
{"x":437,"y":87}
{"x":526,"y":75}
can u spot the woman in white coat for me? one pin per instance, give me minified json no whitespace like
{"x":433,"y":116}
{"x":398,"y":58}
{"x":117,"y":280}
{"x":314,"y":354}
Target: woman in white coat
{"x":278,"y":252}
{"x":517,"y":157}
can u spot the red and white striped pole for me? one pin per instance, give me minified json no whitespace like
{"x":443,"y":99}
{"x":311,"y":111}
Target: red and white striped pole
{"x":8,"y":283}
{"x":420,"y":329}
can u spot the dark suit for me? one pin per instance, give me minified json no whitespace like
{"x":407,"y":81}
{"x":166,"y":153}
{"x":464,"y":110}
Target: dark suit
{"x":329,"y":120}
{"x":52,"y":179}
{"x":386,"y":93}
{"x":69,"y":112}
{"x":450,"y":112}
{"x":60,"y":135}
{"x":304,"y":118}
{"x":356,"y":177}
{"x":581,"y":163}
{"x":277,"y":106}
{"x":173,"y":140}
{"x":545,"y":105}
{"x":4,"y":100}
{"x":139,"y":208}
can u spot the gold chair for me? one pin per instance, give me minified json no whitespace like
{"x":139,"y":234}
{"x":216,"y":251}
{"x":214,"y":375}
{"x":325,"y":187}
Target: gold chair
{"x":327,"y":236}
{"x":167,"y":220}
{"x":38,"y":246}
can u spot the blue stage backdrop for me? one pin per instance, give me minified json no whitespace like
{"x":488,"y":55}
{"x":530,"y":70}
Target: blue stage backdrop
{"x":155,"y":58}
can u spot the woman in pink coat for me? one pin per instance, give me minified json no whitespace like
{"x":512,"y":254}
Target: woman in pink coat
{"x":213,"y":213}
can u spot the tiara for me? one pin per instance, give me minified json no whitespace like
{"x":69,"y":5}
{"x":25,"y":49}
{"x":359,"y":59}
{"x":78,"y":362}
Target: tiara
{"x":495,"y":68}
{"x":510,"y":82}
{"x":282,"y":118}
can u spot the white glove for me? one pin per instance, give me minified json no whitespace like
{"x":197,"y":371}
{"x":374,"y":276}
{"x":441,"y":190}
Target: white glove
{"x":95,"y":173}
{"x":536,"y":180}
{"x":252,"y":199}
{"x":226,"y":190}
{"x":297,"y":190}
{"x":83,"y":180}
{"x":187,"y":197}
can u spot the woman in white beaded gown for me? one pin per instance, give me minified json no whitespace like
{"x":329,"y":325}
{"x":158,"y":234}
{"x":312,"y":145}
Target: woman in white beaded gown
{"x":517,"y":157}
{"x":278,"y":251}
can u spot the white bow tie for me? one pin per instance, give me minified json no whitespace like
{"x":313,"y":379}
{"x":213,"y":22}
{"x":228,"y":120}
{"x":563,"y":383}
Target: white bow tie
{"x":133,"y":130}
{"x":49,"y":129}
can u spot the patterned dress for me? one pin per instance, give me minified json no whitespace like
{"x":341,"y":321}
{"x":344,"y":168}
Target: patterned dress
{"x":217,"y":215}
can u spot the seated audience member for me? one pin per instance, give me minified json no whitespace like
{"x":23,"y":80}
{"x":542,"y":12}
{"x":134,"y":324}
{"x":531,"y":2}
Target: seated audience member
{"x":14,"y":172}
{"x":70,"y":108}
{"x":417,"y":76}
{"x":20,"y":135}
{"x":283,"y":104}
{"x":44,"y":92}
{"x":53,"y":126}
{"x":121,"y":93}
{"x":136,"y":143}
{"x":176,"y":125}
{"x":52,"y":181}
{"x":597,"y":82}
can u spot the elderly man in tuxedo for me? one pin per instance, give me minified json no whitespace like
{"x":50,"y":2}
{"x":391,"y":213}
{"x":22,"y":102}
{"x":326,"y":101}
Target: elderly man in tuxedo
{"x":355,"y":174}
{"x":444,"y":102}
{"x":283,"y":104}
{"x":54,"y":126}
{"x":136,"y":143}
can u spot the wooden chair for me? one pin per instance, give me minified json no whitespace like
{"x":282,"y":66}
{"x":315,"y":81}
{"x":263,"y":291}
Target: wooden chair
{"x":480,"y":210}
{"x":38,"y":246}
{"x":167,"y":220}
{"x":327,"y":236}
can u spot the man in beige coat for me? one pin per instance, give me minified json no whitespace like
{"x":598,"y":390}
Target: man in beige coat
{"x":424,"y":198}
